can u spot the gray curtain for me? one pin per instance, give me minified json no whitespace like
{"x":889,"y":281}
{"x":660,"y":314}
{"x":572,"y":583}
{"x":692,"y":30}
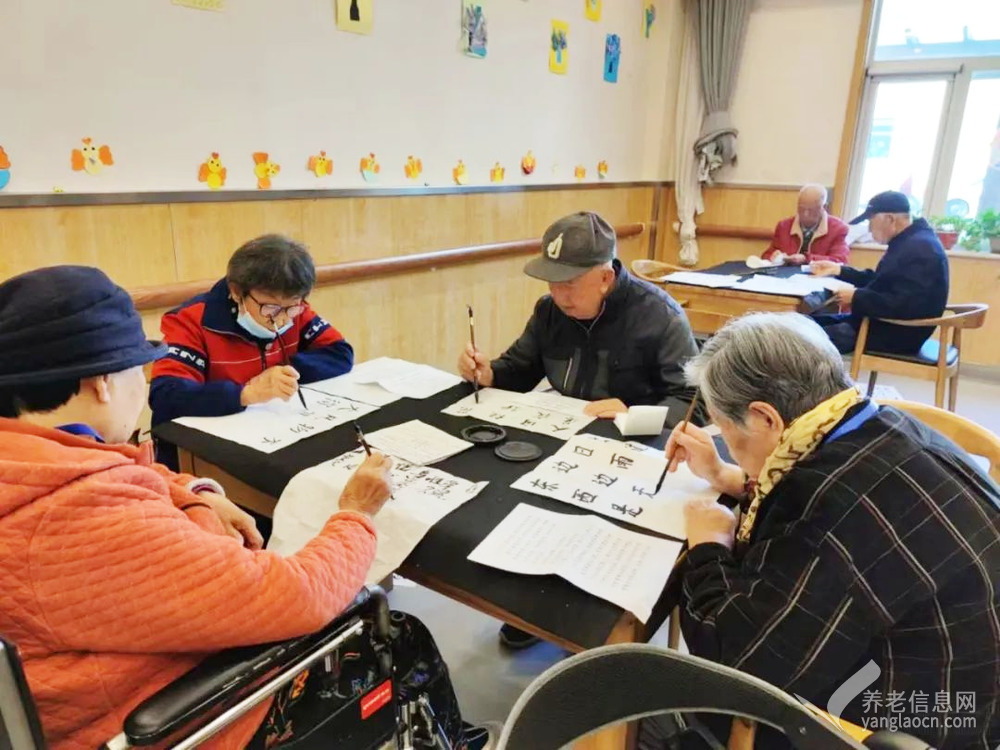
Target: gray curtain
{"x":722,"y":29}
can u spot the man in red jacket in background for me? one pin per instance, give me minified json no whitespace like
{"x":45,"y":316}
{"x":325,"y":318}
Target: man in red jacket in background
{"x":812,"y":234}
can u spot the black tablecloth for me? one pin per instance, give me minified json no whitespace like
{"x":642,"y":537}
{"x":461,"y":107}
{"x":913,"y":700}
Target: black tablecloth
{"x":810,"y":303}
{"x":548,"y":602}
{"x":740,"y":268}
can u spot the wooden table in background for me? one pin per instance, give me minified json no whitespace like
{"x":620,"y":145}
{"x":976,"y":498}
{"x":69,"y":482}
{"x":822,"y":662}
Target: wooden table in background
{"x":709,"y":309}
{"x":627,"y":630}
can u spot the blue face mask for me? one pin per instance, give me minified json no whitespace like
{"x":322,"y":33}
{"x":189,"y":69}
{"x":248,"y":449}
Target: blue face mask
{"x":251,"y":326}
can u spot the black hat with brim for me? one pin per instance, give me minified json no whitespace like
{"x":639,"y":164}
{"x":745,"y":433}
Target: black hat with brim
{"x":68,"y":322}
{"x":889,"y":202}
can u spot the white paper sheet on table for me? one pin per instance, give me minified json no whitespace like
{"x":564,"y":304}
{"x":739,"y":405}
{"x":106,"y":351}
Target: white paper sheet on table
{"x":422,"y":497}
{"x":404,"y":378}
{"x":618,"y":480}
{"x":794,"y":286}
{"x":544,"y":412}
{"x":624,"y":567}
{"x":417,"y":442}
{"x":694,"y":278}
{"x":272,"y":426}
{"x":346,"y":386}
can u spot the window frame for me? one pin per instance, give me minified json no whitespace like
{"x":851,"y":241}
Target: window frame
{"x":957,"y":71}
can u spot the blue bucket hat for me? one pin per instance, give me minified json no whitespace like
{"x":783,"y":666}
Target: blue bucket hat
{"x":68,"y":322}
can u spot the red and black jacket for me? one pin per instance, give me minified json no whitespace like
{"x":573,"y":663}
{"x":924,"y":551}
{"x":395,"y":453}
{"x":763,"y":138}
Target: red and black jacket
{"x":211,"y":357}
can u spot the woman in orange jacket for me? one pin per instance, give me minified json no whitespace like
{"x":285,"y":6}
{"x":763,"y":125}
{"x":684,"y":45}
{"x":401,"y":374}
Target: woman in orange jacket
{"x":118,"y":575}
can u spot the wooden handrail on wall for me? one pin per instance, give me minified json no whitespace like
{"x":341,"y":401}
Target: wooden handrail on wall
{"x":739,"y":233}
{"x":158,"y":297}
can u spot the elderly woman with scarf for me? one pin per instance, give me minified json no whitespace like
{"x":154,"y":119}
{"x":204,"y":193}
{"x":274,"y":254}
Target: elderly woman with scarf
{"x":863,"y":538}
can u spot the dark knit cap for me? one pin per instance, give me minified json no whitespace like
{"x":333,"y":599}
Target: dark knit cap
{"x":67,"y":322}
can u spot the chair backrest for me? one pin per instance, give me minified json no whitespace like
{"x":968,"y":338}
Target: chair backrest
{"x":20,"y":728}
{"x":971,"y":315}
{"x":612,"y":684}
{"x":653,"y":270}
{"x":965,"y":433}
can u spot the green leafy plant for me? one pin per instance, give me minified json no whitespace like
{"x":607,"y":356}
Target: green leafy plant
{"x":990,"y":223}
{"x":948,"y":223}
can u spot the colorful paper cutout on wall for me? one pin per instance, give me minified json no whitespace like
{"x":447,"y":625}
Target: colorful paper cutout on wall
{"x":91,"y":158}
{"x":4,"y":169}
{"x":612,"y":56}
{"x":370,"y":168}
{"x":212,"y":173}
{"x":559,"y":48}
{"x":320,"y":164}
{"x":356,"y":16}
{"x":528,"y":163}
{"x":602,"y":169}
{"x":497,"y":173}
{"x":217,"y":5}
{"x":459,"y":173}
{"x":413,"y":168}
{"x":580,"y":172}
{"x":474,"y":28}
{"x":592,"y":9}
{"x":648,"y":16}
{"x":264,"y":169}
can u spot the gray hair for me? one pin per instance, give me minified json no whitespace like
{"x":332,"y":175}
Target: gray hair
{"x":816,"y":188}
{"x":273,"y":264}
{"x":783,"y":359}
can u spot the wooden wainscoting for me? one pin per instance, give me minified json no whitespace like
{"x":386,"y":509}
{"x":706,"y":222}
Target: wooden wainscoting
{"x":417,"y":315}
{"x":756,"y":208}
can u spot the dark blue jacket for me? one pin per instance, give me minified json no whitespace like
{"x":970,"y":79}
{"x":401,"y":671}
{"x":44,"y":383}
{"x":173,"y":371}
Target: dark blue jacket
{"x":910,"y":282}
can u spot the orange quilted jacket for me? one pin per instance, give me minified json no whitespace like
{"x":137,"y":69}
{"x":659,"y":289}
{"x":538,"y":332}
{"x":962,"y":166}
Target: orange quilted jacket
{"x":110,"y":592}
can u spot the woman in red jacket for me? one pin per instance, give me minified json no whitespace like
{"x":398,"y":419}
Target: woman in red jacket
{"x":116,"y":574}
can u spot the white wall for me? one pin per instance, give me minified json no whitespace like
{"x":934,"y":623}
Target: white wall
{"x":164,"y":86}
{"x":792,"y":91}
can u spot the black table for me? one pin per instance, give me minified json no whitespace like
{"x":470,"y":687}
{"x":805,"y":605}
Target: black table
{"x":545,"y":605}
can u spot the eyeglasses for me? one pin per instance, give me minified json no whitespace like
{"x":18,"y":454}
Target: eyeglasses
{"x":272,"y":311}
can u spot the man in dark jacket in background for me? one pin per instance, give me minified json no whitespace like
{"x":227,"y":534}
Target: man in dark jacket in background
{"x":909,"y":283}
{"x":600,"y":335}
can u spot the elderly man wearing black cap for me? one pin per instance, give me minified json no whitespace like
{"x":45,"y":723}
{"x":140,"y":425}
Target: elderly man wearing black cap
{"x":909,"y":283}
{"x":599,"y":335}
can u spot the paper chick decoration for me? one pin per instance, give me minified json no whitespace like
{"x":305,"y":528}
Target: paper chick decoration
{"x":264,"y":169}
{"x":212,"y":173}
{"x":320,"y":164}
{"x":90,"y":158}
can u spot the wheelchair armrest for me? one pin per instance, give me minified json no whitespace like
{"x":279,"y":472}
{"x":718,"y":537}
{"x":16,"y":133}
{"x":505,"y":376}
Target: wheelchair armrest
{"x":895,"y":741}
{"x":223,"y":678}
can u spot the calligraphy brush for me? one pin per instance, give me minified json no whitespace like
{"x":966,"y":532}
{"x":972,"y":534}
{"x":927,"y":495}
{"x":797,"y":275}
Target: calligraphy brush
{"x":682,"y":427}
{"x":288,"y":363}
{"x":364,"y":444}
{"x":472,"y":337}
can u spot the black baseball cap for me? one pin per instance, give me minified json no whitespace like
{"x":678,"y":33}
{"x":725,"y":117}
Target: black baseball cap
{"x":889,"y":202}
{"x":572,"y":246}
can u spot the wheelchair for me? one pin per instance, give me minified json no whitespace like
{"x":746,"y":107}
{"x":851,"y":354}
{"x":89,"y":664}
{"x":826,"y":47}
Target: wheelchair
{"x":226,"y":685}
{"x":562,"y":704}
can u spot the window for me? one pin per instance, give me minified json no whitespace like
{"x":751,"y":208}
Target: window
{"x":930,"y":116}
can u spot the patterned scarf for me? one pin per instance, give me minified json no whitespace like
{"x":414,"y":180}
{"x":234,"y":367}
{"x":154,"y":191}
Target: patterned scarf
{"x":799,"y":439}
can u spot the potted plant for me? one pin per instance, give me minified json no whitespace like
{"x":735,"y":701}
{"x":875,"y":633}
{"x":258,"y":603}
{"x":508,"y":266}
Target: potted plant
{"x":989,"y":221}
{"x":948,"y":228}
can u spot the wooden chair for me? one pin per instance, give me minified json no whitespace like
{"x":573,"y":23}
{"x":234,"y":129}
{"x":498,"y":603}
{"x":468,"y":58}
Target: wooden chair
{"x":653,"y":271}
{"x":936,"y":360}
{"x":965,"y":433}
